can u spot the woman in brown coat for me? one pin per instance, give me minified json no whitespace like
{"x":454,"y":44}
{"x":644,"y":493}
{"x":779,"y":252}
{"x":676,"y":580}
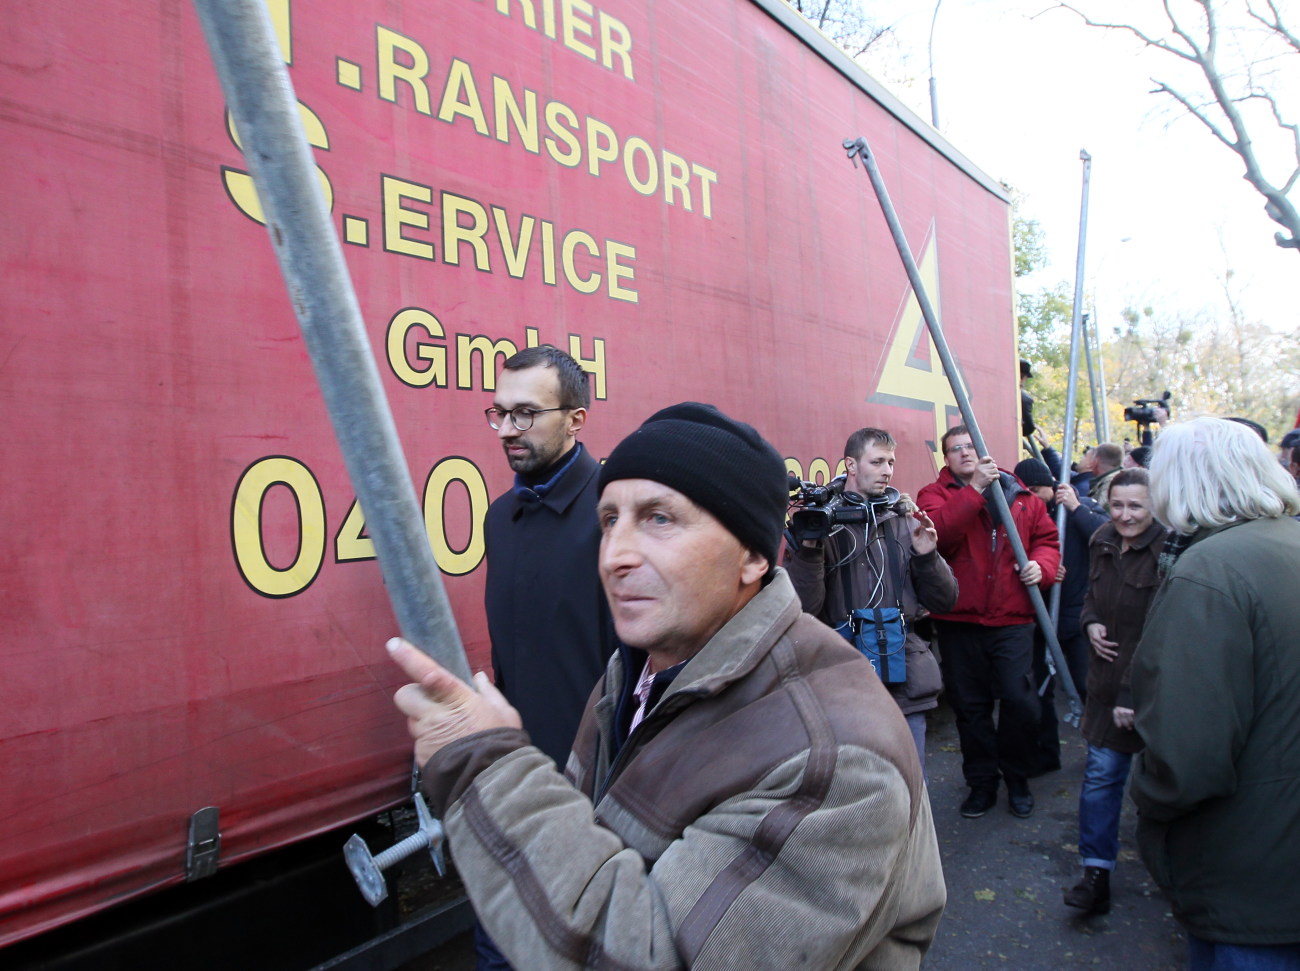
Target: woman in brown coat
{"x":1122,"y":580}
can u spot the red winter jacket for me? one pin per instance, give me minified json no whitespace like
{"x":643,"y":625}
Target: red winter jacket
{"x":988,"y":583}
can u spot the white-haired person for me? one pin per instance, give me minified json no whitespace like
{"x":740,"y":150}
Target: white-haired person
{"x":1216,"y":691}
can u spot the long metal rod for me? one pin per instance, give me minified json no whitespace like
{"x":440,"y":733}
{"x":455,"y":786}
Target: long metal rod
{"x":257,"y":89}
{"x":1101,"y":381}
{"x":858,"y":149}
{"x":1092,"y":379}
{"x":934,"y":92}
{"x":1072,"y":385}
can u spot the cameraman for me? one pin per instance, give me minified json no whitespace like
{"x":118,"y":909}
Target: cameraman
{"x":860,"y":564}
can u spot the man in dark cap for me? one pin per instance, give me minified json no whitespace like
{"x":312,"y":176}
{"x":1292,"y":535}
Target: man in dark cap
{"x":1289,"y":453}
{"x":1083,"y":517}
{"x":742,"y":793}
{"x":1027,"y":426}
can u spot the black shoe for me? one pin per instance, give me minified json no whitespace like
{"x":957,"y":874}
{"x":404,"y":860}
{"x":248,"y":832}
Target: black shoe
{"x":1019,"y":799}
{"x":979,"y":802}
{"x":1092,"y":893}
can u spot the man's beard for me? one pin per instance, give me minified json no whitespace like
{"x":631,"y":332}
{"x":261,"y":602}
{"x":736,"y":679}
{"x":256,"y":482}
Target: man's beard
{"x":533,"y":461}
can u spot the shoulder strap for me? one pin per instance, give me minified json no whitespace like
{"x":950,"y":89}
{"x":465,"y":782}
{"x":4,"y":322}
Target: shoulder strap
{"x":845,"y":570}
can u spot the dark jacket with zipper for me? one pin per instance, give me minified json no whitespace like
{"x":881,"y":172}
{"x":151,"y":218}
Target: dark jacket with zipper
{"x":818,"y":574}
{"x":1080,"y":525}
{"x":1121,"y":587}
{"x":1216,"y":688}
{"x":550,"y":624}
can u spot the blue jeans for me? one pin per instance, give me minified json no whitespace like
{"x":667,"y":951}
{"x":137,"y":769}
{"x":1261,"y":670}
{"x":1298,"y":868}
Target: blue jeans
{"x":486,"y":955}
{"x":1209,"y":956}
{"x":916,"y":722}
{"x":1100,"y":800}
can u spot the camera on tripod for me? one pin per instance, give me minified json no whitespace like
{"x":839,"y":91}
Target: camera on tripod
{"x":1143,"y":411}
{"x":823,"y":507}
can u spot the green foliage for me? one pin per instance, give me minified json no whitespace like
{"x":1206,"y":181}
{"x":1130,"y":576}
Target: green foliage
{"x":1044,"y":325}
{"x":1043,"y":320}
{"x":1030,"y":244}
{"x":1214,"y":363}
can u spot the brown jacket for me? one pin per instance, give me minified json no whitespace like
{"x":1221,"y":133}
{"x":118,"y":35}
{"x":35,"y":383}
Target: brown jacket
{"x":769,"y":812}
{"x":817,"y":573}
{"x":1120,"y":589}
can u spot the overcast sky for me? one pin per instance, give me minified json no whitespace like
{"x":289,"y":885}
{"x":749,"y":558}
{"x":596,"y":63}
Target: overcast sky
{"x":1021,"y":95}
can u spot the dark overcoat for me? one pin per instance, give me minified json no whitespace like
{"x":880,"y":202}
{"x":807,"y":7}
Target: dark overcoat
{"x":550,"y":625}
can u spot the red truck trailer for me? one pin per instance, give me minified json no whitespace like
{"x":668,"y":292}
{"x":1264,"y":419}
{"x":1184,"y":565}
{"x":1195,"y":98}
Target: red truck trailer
{"x":192,"y":613}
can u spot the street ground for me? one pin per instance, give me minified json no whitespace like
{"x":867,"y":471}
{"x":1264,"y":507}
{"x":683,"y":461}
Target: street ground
{"x":1006,"y":875}
{"x":1005,"y":879}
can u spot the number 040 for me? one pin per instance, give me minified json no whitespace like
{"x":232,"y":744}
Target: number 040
{"x":260,"y":534}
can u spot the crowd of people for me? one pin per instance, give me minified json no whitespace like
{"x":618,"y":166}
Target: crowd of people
{"x":703,"y":744}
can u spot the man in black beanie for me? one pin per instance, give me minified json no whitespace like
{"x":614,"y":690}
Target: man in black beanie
{"x":1083,"y":517}
{"x":743,"y":791}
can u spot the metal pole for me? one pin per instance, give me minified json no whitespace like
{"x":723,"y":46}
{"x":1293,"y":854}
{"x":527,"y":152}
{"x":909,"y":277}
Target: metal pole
{"x":1072,"y":386}
{"x":934,"y":96}
{"x":261,"y":98}
{"x":1092,"y":380}
{"x":1101,"y":380}
{"x":858,"y":148}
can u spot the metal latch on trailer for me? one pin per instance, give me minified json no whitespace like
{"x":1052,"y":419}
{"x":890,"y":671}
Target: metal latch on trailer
{"x":204,"y":844}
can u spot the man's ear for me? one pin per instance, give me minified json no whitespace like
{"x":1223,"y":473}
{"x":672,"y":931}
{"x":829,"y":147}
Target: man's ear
{"x":753,"y":567}
{"x":577,"y":418}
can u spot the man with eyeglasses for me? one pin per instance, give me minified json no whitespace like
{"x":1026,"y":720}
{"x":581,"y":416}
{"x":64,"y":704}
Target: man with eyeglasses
{"x":547,"y":616}
{"x":986,"y":641}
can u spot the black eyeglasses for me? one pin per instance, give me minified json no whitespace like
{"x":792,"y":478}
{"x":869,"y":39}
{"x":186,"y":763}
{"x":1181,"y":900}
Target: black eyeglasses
{"x":521,"y":418}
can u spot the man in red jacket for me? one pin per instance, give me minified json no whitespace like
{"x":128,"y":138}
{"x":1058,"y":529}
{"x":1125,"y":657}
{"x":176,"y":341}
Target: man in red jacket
{"x":986,"y":640}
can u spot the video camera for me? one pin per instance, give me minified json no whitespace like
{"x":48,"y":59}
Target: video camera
{"x":1144,"y":410}
{"x":822,"y":508}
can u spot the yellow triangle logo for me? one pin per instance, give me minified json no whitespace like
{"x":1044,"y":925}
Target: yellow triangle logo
{"x":912,"y":376}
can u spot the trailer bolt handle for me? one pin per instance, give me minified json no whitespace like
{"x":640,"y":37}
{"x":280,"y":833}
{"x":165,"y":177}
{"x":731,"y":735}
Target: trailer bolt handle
{"x":368,"y":870}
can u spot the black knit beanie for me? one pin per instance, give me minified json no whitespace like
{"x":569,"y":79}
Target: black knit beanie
{"x":1034,"y":472}
{"x":720,"y":464}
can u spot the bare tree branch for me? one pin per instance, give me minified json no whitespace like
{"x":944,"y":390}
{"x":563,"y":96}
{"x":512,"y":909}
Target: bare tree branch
{"x":1275,"y":24}
{"x":1128,"y":28}
{"x":1203,"y":52}
{"x":1195,"y":111}
{"x":845,"y":22}
{"x":1294,"y":129}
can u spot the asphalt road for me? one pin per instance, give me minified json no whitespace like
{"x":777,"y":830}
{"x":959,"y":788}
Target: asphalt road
{"x":1006,"y":875}
{"x":1005,"y":879}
